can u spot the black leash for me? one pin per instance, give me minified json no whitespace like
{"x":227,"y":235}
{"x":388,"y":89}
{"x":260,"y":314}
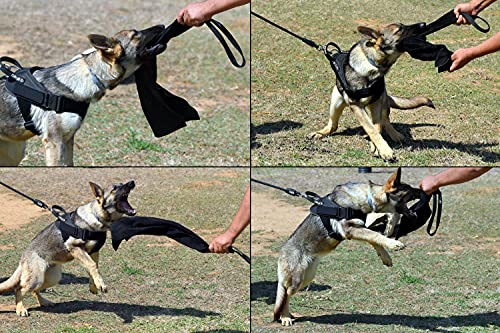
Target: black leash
{"x":437,"y":201}
{"x":56,"y":210}
{"x":308,"y":195}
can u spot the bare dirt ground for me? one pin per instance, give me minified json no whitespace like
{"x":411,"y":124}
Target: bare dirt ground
{"x":16,"y":212}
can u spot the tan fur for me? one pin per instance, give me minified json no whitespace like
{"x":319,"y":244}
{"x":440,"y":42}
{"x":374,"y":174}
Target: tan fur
{"x":300,"y":255}
{"x":369,"y":59}
{"x":40,"y":264}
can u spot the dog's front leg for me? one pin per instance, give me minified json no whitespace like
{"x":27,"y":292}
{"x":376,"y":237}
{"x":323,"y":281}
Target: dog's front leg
{"x":92,"y":287}
{"x":355,"y":232}
{"x":81,"y":255}
{"x":373,"y":132}
{"x":337,"y":105}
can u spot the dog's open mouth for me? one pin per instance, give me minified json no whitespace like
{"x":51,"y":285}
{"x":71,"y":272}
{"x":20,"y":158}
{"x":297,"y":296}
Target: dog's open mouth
{"x":122,"y":205}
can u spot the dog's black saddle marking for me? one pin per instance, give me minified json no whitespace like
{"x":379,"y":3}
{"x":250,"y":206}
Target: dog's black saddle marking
{"x":68,"y":228}
{"x":29,"y":91}
{"x":338,"y":61}
{"x":327,"y":209}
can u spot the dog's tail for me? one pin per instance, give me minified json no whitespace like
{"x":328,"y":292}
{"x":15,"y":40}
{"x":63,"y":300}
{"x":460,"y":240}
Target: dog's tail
{"x":11,"y":282}
{"x":402,"y":103}
{"x":281,"y":298}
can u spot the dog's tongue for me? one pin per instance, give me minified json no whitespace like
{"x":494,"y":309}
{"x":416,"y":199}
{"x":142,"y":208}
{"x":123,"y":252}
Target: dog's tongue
{"x":126,"y":207}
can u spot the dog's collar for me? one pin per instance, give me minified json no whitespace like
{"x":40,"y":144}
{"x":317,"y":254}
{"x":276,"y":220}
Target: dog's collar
{"x":69,"y":228}
{"x":371,"y":201}
{"x":96,"y":80}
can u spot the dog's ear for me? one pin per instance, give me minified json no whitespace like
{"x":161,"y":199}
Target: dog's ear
{"x":109,"y":47}
{"x":98,"y":192}
{"x":393,"y":182}
{"x":368,"y":32}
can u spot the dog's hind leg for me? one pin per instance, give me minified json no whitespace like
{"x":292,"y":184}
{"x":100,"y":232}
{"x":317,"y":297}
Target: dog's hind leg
{"x":402,"y":103}
{"x":52,"y":277}
{"x":337,"y":105}
{"x":32,"y":280}
{"x":11,"y":152}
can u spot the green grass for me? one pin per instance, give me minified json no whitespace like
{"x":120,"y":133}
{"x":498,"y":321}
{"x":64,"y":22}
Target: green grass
{"x":445,"y":283}
{"x":292,"y":83}
{"x":154,"y":284}
{"x":194,"y":67}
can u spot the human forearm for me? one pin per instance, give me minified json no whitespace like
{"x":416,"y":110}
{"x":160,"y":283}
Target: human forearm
{"x":450,"y":176}
{"x":242,"y":218}
{"x":219,"y":6}
{"x":490,"y":45}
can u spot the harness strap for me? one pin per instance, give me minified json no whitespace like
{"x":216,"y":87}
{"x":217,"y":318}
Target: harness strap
{"x":29,"y":91}
{"x":68,"y":228}
{"x":338,"y":61}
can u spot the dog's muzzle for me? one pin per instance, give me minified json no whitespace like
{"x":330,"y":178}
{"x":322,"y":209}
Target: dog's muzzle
{"x":123,"y":205}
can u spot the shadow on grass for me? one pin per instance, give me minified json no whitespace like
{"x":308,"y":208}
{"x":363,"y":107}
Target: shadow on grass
{"x":266,"y":290}
{"x":432,"y":323}
{"x":219,"y":331}
{"x":477,"y":149}
{"x":270,"y":128}
{"x":125,"y":311}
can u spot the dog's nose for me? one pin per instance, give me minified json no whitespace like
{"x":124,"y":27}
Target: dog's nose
{"x":131,"y":184}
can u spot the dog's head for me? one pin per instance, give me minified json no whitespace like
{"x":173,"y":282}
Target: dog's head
{"x":400,"y":194}
{"x":383,"y":43}
{"x":123,"y":52}
{"x":112,"y":203}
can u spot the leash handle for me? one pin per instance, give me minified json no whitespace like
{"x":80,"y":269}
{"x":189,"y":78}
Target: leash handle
{"x":6,"y":68}
{"x":472,"y":20}
{"x":219,"y":31}
{"x":233,"y":249}
{"x":303,"y":39}
{"x":437,"y":201}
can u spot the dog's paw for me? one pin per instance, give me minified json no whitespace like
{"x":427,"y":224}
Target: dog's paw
{"x":396,"y":245}
{"x":286,"y":321}
{"x":315,"y":136}
{"x":103,"y":288}
{"x":22,"y":311}
{"x":93,"y":288}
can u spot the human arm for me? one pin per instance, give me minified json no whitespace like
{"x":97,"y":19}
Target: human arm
{"x":472,"y":7}
{"x":463,"y":56}
{"x":450,"y":176}
{"x":240,"y":221}
{"x":195,"y":14}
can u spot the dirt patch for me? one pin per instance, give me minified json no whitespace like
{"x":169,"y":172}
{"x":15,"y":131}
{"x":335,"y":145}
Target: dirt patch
{"x":201,"y":183}
{"x":8,"y":47}
{"x":227,"y":174}
{"x":266,"y":227}
{"x":17,"y":212}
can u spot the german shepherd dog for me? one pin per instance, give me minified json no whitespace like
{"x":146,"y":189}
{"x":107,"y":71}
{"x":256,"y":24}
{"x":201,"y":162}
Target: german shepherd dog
{"x":40,"y":265}
{"x":370,"y":59}
{"x":300,"y":255}
{"x":111,"y":61}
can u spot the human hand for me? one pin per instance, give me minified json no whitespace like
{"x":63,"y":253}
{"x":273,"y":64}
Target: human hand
{"x":464,"y":8}
{"x":460,"y":58}
{"x":195,"y":14}
{"x":221,"y":243}
{"x":429,"y":185}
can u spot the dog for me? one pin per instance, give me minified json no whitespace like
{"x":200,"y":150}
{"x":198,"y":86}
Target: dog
{"x":300,"y":255}
{"x":370,"y":59}
{"x":40,"y":265}
{"x":85,"y":78}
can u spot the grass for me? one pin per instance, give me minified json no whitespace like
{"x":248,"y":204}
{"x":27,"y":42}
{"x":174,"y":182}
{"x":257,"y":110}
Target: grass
{"x":291,"y":87}
{"x":194,"y":67}
{"x":154,"y":284}
{"x":445,"y":283}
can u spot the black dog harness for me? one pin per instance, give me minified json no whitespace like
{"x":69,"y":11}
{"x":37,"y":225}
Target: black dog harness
{"x":29,"y":91}
{"x":69,"y":228}
{"x":338,"y":60}
{"x":326,"y":210}
{"x":323,"y":207}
